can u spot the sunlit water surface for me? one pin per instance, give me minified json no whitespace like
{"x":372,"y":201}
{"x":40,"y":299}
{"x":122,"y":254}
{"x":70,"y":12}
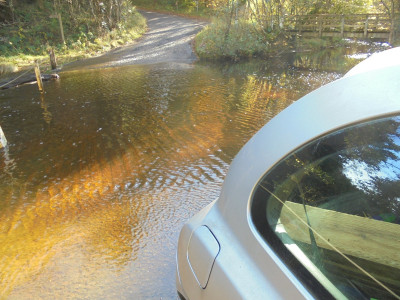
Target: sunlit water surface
{"x":102,"y":170}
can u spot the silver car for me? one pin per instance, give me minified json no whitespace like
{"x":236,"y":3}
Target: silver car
{"x":310,"y":207}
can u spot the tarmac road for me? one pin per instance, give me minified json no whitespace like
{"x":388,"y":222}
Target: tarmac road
{"x":168,"y":39}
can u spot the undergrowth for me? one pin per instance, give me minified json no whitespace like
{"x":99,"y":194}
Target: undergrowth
{"x":34,"y":34}
{"x":240,"y":40}
{"x":187,"y":10}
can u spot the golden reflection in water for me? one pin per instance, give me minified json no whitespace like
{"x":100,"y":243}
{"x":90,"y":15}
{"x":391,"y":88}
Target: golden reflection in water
{"x":34,"y":234}
{"x":47,"y":116}
{"x":79,"y":208}
{"x":90,"y":224}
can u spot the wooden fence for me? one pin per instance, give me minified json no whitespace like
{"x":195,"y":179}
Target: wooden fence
{"x":365,"y":26}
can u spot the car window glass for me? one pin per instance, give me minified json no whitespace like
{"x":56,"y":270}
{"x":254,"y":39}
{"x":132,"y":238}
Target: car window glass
{"x":334,"y":205}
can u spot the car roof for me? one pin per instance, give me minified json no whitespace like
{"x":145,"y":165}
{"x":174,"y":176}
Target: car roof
{"x":350,"y":100}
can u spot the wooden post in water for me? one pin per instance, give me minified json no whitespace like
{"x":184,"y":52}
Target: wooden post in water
{"x":3,"y":141}
{"x":39,"y":78}
{"x":53,"y":61}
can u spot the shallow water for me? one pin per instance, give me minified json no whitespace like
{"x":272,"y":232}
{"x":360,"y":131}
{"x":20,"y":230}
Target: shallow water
{"x":102,"y":170}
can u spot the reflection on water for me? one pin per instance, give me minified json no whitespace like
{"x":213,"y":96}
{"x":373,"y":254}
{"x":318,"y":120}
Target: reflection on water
{"x":340,"y":59}
{"x":102,"y":171}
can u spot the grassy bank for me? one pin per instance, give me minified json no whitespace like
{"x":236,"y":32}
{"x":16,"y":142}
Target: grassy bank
{"x":30,"y":37}
{"x":243,"y":41}
{"x":239,"y":40}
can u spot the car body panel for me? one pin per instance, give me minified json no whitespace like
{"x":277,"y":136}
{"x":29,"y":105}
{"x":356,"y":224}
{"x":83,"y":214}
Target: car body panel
{"x":225,"y":272}
{"x":377,"y":61}
{"x":202,"y":251}
{"x":246,"y":267}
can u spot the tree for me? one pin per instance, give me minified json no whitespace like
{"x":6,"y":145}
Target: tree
{"x":7,"y":11}
{"x":392,"y":9}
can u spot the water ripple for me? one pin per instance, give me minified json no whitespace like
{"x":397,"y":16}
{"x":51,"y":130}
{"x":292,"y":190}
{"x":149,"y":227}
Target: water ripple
{"x":103,"y":169}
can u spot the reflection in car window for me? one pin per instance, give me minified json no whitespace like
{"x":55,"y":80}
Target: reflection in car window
{"x":334,"y":205}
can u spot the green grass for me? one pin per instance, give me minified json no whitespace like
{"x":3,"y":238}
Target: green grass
{"x":312,"y":44}
{"x":243,"y":41}
{"x":30,"y":41}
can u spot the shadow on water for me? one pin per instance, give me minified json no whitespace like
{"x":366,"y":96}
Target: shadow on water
{"x":102,"y":171}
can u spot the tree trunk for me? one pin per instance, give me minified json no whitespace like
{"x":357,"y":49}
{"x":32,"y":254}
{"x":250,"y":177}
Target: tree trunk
{"x":93,"y":12}
{"x":11,"y":6}
{"x":61,"y":27}
{"x":230,"y":20}
{"x":119,"y":4}
{"x":110,"y":15}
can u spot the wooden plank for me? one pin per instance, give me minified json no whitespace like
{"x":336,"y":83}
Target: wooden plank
{"x":357,"y":35}
{"x":337,"y":20}
{"x":364,"y":26}
{"x":369,"y":239}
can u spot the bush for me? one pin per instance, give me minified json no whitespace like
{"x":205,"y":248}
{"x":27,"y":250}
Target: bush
{"x":34,"y":33}
{"x":241,"y":40}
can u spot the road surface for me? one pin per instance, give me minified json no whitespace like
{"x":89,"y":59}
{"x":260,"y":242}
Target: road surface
{"x":168,"y":39}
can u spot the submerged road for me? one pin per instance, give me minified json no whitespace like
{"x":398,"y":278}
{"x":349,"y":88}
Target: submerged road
{"x":103,"y":169}
{"x":168,"y":39}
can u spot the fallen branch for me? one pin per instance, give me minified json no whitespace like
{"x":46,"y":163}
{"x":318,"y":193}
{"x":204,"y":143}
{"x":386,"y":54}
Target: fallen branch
{"x":28,"y":78}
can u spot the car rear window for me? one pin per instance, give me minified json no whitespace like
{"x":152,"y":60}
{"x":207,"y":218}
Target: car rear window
{"x":331,"y":211}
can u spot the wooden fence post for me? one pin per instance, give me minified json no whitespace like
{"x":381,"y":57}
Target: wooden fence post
{"x":391,"y":30}
{"x":319,"y":27}
{"x":366,"y":27}
{"x":53,"y":61}
{"x":299,"y":21}
{"x":3,"y":141}
{"x":342,"y":27}
{"x":39,"y":77}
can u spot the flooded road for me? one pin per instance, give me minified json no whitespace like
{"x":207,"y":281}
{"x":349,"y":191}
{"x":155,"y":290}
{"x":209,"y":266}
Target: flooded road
{"x":103,"y":169}
{"x":168,"y":39}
